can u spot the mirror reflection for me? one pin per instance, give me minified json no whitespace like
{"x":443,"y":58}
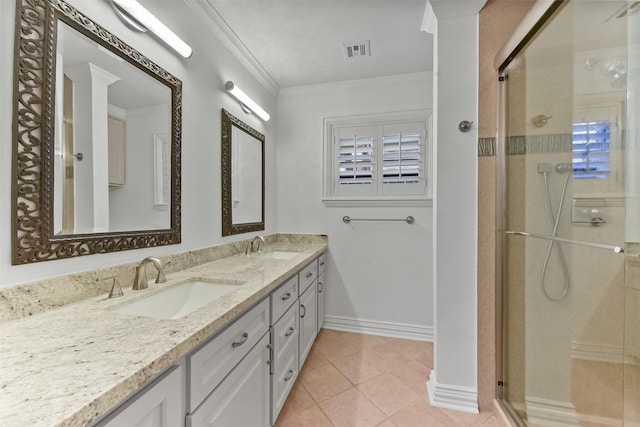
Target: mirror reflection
{"x":111,"y":154}
{"x":242,"y":177}
{"x":97,"y":140}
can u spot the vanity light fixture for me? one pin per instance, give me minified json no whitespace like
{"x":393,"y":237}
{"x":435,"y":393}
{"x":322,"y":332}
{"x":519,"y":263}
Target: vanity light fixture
{"x":248,"y":104}
{"x":137,"y":17}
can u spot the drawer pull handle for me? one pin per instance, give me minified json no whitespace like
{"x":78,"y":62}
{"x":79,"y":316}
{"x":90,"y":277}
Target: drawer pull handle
{"x":286,"y":296}
{"x":309,"y":275}
{"x":270,"y":348}
{"x":320,"y":287}
{"x":289,"y":332}
{"x":244,"y":339}
{"x":322,"y":263}
{"x":289,"y":375}
{"x":304,"y":313}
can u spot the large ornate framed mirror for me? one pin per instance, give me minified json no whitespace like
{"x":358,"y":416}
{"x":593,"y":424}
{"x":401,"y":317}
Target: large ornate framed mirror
{"x":97,"y":140}
{"x":242,"y":177}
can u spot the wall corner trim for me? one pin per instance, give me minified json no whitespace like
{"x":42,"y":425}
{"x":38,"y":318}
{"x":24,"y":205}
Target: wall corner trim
{"x":464,"y":399}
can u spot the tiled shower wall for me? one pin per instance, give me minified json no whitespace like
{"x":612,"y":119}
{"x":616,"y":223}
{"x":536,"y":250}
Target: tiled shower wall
{"x":498,"y":20}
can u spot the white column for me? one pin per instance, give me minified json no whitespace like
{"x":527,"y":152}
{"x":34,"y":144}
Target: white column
{"x":453,"y":381}
{"x":90,"y":127}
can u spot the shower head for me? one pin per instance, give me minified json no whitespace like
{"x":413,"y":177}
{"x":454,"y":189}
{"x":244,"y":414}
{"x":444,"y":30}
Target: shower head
{"x":564,"y":167}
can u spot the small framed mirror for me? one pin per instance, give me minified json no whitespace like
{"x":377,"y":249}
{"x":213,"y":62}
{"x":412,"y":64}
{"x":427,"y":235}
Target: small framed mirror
{"x":242,"y":177}
{"x":97,"y":140}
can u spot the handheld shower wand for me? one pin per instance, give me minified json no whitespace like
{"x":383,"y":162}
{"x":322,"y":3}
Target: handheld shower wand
{"x":544,"y":169}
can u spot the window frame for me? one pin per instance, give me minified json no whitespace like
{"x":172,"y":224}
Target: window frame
{"x":331,"y":197}
{"x":602,"y":107}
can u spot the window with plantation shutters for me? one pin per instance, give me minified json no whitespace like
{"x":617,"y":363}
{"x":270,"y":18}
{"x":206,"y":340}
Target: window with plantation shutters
{"x":377,"y":158}
{"x":597,"y":144}
{"x":591,"y":146}
{"x":401,"y":158}
{"x":355,"y":159}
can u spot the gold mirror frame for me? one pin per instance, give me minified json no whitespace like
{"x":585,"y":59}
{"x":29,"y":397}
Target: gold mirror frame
{"x":228,"y":227}
{"x":33,"y":136}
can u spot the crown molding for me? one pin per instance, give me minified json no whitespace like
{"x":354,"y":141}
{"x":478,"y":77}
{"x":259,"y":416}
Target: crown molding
{"x":453,"y":8}
{"x":210,"y":16}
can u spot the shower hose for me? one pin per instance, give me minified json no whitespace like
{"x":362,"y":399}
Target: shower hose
{"x":555,"y":220}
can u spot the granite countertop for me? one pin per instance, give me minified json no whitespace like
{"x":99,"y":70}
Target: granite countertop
{"x":70,"y":365}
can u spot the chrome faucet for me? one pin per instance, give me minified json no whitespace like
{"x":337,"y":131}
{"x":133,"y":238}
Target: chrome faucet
{"x":140,"y":281}
{"x":254,"y":244}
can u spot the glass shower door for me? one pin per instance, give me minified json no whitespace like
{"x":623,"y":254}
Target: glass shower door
{"x":571,"y":225}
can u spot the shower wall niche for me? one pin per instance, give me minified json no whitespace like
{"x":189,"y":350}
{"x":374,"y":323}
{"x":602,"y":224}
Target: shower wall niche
{"x":568,"y":185}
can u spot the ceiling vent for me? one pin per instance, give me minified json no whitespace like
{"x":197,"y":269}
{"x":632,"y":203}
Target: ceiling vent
{"x":357,"y":50}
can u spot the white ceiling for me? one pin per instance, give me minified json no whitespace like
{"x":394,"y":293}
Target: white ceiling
{"x":300,"y":42}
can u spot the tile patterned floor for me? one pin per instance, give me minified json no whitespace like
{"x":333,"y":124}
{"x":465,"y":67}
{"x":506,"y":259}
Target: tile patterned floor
{"x":354,"y":380}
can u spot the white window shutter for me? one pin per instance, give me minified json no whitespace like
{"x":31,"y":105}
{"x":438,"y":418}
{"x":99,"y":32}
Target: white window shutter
{"x":355,"y":160}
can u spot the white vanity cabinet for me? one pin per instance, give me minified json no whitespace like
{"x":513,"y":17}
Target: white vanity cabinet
{"x":160,"y":404}
{"x":243,"y":374}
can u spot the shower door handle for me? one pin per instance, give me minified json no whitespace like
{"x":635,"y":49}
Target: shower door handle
{"x":616,"y":249}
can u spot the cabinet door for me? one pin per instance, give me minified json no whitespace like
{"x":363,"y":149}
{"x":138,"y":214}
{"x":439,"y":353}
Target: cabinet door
{"x":157,"y":405}
{"x":308,"y":320}
{"x":243,"y":398}
{"x":116,"y":136}
{"x":321,"y":299}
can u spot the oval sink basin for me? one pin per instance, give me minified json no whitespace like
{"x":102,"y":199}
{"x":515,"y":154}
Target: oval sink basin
{"x":177,"y":301}
{"x":279,"y":254}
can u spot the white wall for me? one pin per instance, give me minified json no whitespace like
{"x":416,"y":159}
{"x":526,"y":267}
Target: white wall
{"x":378,"y":273}
{"x":203,"y":77}
{"x":137,"y":195}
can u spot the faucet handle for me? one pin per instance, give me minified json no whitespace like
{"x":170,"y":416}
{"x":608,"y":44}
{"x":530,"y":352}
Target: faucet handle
{"x":116,"y":289}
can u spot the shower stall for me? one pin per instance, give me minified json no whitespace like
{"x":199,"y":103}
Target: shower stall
{"x":569,"y":229}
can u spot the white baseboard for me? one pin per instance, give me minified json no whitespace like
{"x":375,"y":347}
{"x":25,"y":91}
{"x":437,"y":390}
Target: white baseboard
{"x":550,"y":413}
{"x":374,"y":327}
{"x":602,"y":353}
{"x":458,"y":398}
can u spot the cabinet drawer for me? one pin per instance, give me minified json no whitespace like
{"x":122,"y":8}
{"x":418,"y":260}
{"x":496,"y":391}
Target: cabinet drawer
{"x":211,"y":363}
{"x":285,"y":334}
{"x":282,"y":380}
{"x":322,"y":263}
{"x":283,"y":298}
{"x":242,"y":399}
{"x":307,"y":275}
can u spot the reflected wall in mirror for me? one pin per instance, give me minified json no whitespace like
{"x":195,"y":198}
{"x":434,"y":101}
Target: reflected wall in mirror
{"x":242,"y":177}
{"x":97,"y":130}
